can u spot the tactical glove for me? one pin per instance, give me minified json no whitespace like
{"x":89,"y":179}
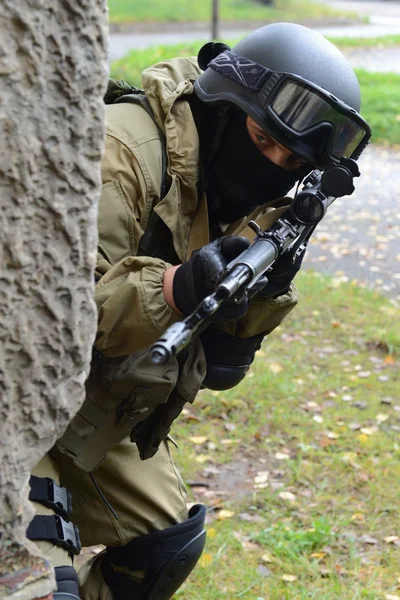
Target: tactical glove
{"x":228,"y":357}
{"x":197,"y":277}
{"x":281,"y":275}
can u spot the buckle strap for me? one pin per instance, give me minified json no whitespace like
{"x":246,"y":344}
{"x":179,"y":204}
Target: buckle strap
{"x":46,"y":491}
{"x":55,"y":529}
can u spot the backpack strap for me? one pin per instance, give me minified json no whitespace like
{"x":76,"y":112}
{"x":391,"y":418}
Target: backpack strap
{"x":157,"y":239}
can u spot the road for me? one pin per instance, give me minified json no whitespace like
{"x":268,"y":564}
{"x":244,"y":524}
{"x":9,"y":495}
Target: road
{"x":384,"y":19}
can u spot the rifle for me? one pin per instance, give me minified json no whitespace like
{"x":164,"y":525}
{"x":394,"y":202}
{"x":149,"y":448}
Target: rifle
{"x":290,"y":233}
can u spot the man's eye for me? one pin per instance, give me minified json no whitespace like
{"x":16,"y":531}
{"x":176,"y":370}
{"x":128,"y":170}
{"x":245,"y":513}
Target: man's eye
{"x":260,"y":138}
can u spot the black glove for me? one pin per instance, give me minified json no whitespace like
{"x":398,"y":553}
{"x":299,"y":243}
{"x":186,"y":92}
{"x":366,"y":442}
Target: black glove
{"x":281,"y":275}
{"x":198,"y":276}
{"x":228,"y":357}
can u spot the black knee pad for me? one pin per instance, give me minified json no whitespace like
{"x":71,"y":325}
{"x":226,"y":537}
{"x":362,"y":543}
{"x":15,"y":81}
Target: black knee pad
{"x":67,"y":584}
{"x":168,"y":556}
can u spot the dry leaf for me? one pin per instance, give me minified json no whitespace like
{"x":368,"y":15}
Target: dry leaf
{"x":261,"y":477}
{"x":369,"y":430}
{"x":318,"y":418}
{"x":202,"y":458}
{"x":367,"y":539}
{"x":381,"y":418}
{"x":332,"y":435}
{"x":318,"y":555}
{"x":267,"y":558}
{"x":198,"y":439}
{"x":392,"y":597}
{"x":205,"y":560}
{"x":390,"y":539}
{"x":289,"y":578}
{"x":389,"y":359}
{"x":287,"y":496}
{"x":357,"y":517}
{"x":282,"y":456}
{"x":211,"y":533}
{"x":275,"y":368}
{"x":225,"y":514}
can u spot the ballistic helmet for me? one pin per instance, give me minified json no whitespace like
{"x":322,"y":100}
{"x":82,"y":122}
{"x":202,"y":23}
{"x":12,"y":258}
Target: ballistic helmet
{"x":295,"y":85}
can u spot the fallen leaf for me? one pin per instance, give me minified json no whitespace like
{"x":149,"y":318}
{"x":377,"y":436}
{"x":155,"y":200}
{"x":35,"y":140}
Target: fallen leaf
{"x":368,"y":539}
{"x":318,"y":555}
{"x":275,"y":368}
{"x":389,"y":359}
{"x":357,"y":517}
{"x":211,"y":533}
{"x":225,"y":514}
{"x":289,"y":578}
{"x":198,"y":439}
{"x":267,"y":558}
{"x":287,"y":496}
{"x":261,"y":477}
{"x":390,"y":539}
{"x":369,"y":430}
{"x":381,"y":418}
{"x":392,"y":597}
{"x":205,"y":560}
{"x":282,"y":456}
{"x":202,"y":458}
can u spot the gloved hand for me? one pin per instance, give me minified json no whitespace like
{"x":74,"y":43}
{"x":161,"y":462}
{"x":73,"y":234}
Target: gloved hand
{"x":228,"y":357}
{"x":197,"y":277}
{"x":281,"y":275}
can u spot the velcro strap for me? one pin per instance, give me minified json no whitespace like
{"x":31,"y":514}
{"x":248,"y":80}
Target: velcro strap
{"x":55,"y":529}
{"x":46,"y":491}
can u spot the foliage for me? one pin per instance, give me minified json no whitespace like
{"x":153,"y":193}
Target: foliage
{"x":299,"y":464}
{"x":158,"y":11}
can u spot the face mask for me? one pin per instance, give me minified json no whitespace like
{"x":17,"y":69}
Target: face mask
{"x":241,"y":178}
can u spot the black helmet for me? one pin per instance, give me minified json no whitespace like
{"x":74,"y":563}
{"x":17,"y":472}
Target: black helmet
{"x":295,"y":85}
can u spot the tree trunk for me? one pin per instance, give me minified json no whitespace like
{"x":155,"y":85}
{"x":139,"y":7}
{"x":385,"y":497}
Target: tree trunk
{"x":53,"y":68}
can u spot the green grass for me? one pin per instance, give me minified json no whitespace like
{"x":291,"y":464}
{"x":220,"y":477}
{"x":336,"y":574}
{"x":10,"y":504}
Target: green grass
{"x":380,"y":91}
{"x":137,"y":11}
{"x":320,"y":413}
{"x":346,"y":42}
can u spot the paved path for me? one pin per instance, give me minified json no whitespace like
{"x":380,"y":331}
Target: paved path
{"x":121,"y":43}
{"x":359,"y":238}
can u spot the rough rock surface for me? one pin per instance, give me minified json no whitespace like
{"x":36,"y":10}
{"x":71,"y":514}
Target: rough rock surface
{"x":53,"y":67}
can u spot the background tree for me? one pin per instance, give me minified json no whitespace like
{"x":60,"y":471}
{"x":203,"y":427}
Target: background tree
{"x":53,"y":68}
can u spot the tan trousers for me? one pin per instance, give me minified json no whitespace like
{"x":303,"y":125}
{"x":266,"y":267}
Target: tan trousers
{"x":145,"y":495}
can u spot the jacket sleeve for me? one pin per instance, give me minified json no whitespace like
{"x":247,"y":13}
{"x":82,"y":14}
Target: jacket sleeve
{"x":132,"y":312}
{"x":263,"y":316}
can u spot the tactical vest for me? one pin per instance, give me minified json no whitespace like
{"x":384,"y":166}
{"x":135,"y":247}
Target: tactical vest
{"x":129,"y":395}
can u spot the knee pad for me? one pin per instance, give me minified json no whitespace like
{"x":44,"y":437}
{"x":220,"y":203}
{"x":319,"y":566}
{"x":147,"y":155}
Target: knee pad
{"x":167,"y":556}
{"x":67,"y":584}
{"x":56,"y":528}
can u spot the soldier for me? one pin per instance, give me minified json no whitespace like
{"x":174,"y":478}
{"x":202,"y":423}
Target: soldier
{"x":212,"y":143}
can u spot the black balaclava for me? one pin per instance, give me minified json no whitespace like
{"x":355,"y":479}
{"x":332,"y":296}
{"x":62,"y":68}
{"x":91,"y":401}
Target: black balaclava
{"x":240,"y":177}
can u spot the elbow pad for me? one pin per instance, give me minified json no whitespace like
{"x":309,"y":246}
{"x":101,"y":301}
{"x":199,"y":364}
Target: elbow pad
{"x":228,"y":358}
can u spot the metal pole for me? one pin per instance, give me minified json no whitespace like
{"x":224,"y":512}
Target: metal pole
{"x":215,"y":20}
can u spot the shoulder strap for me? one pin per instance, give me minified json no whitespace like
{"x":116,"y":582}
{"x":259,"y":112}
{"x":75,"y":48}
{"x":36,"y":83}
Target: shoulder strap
{"x":121,"y":91}
{"x":156,"y":241}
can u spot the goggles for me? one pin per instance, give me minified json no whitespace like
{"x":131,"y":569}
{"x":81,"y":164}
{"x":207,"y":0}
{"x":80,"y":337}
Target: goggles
{"x":299,"y":110}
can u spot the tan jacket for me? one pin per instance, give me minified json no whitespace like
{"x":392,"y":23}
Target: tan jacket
{"x":126,"y":392}
{"x":131,"y":307}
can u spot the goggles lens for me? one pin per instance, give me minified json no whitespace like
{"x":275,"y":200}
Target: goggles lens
{"x":302,"y":108}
